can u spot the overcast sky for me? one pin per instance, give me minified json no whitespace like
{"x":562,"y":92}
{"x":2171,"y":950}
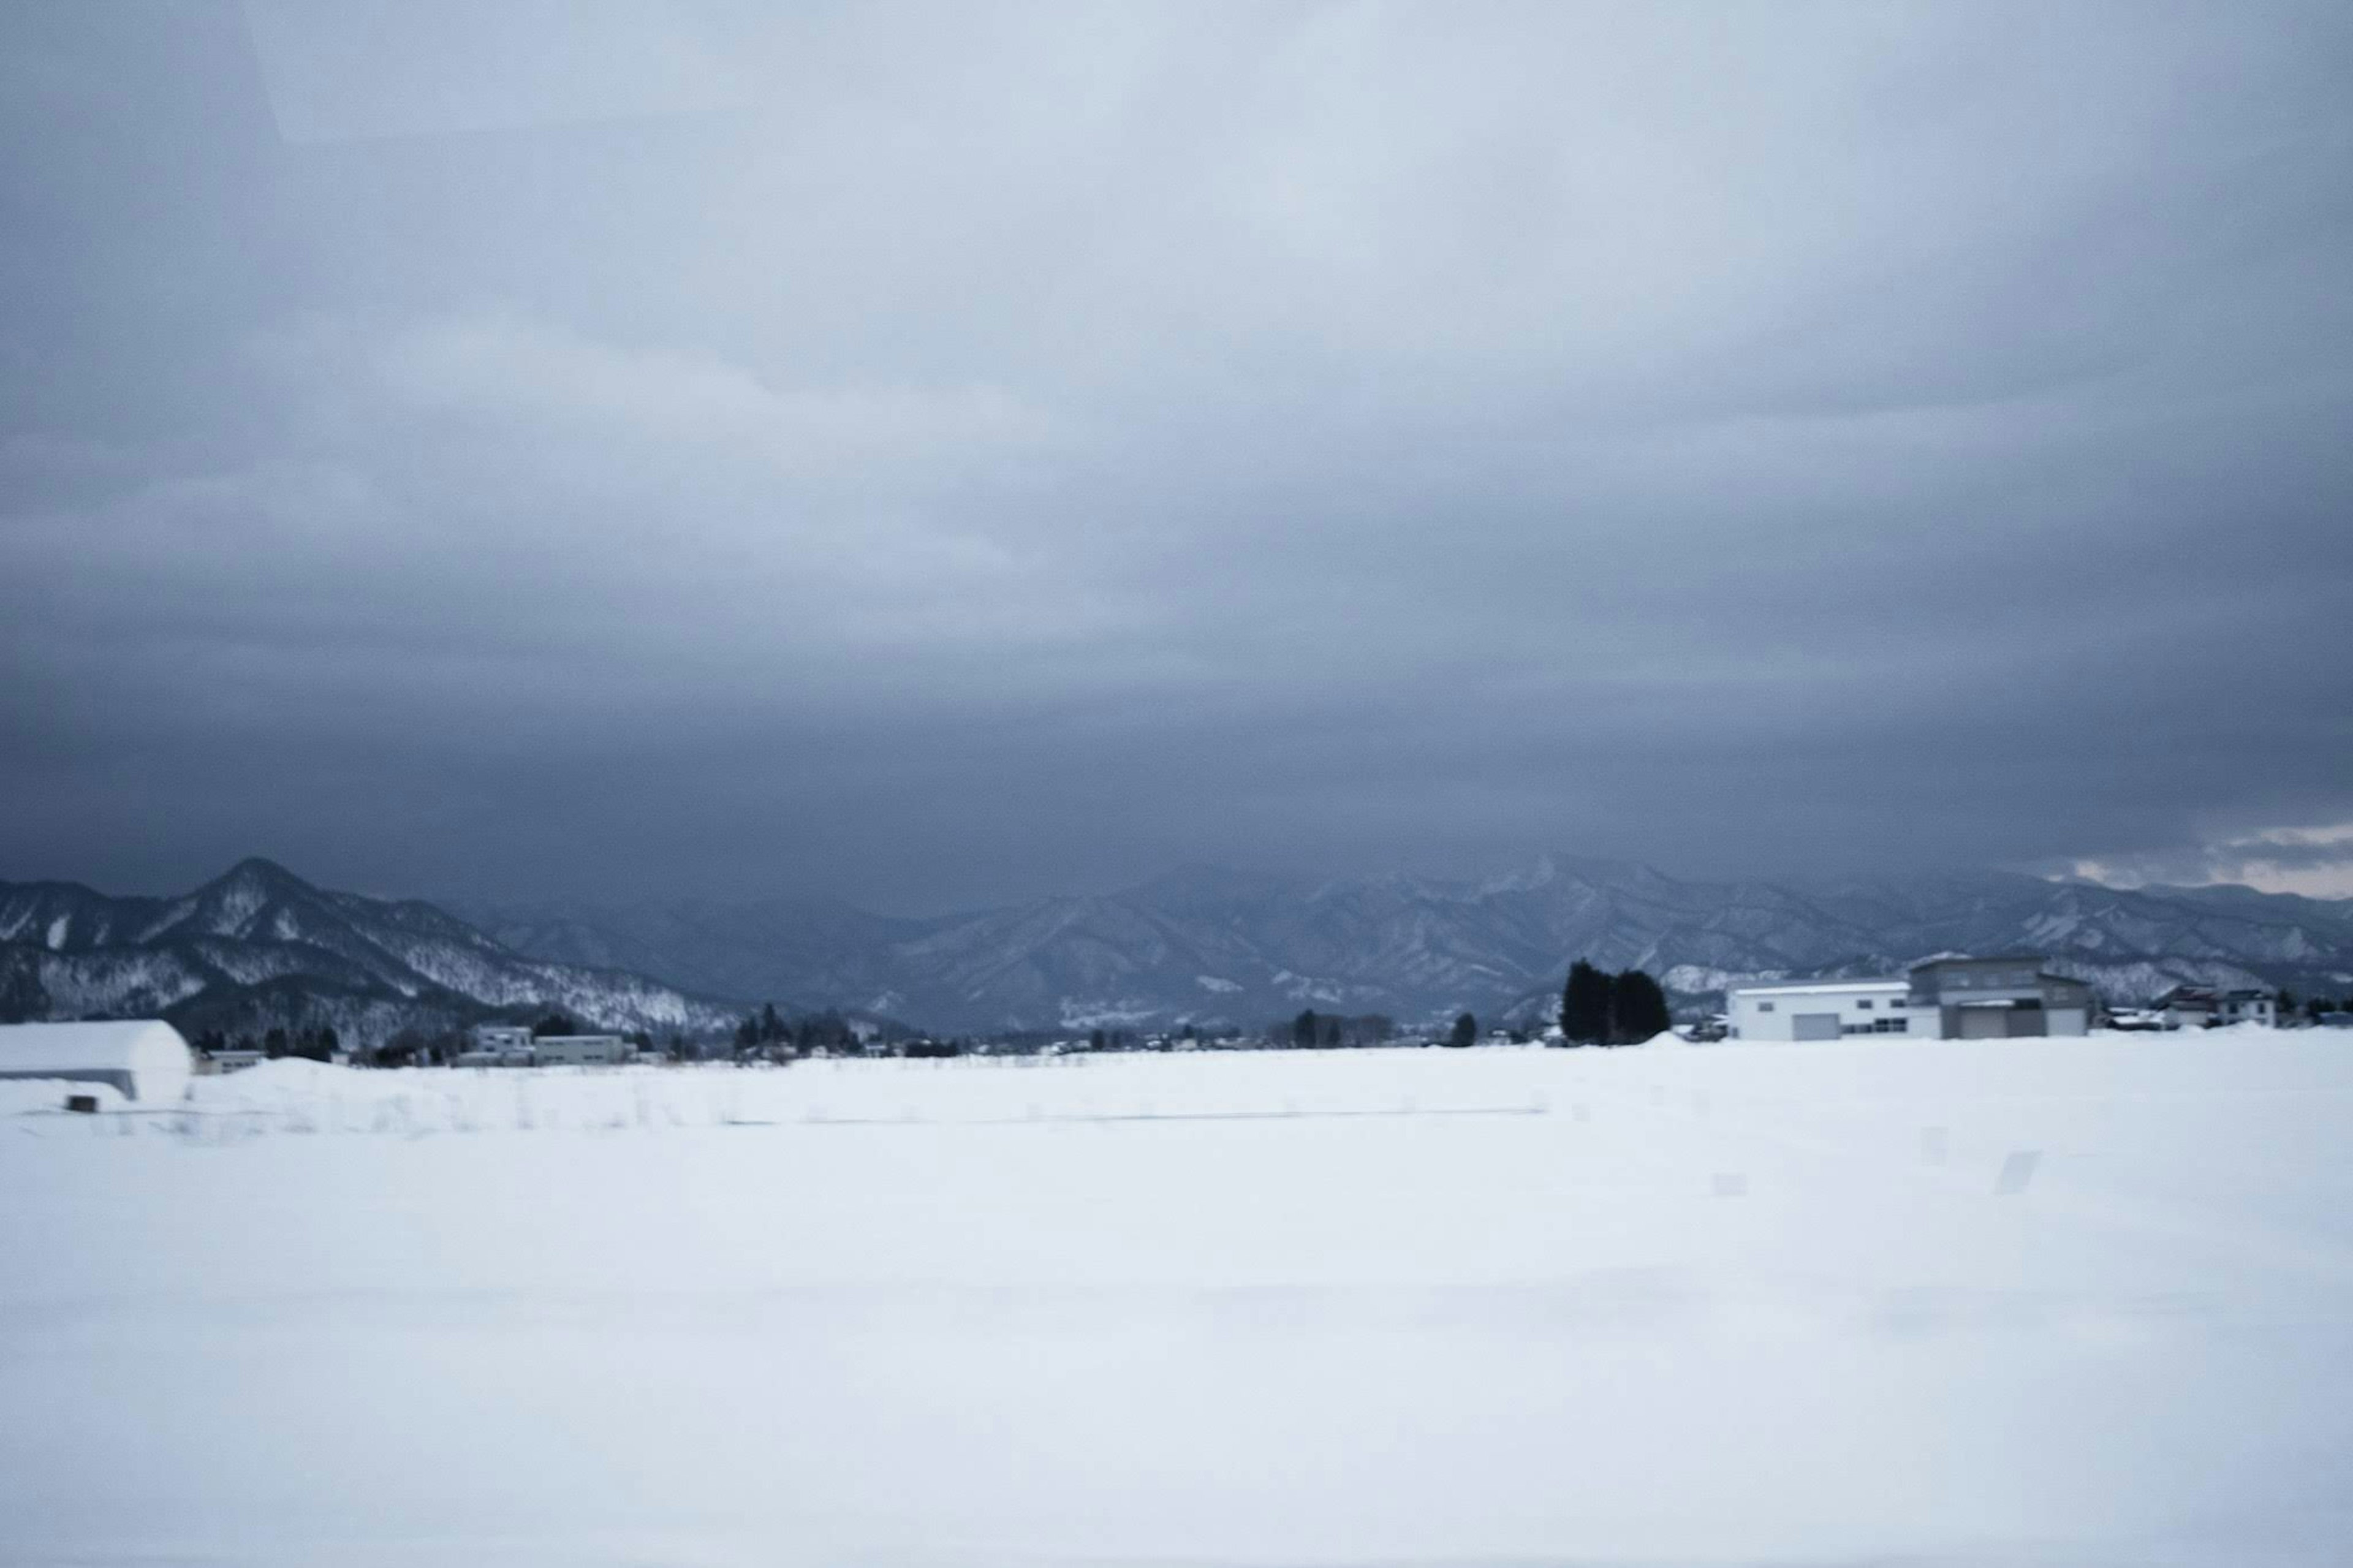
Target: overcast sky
{"x":940,"y":455}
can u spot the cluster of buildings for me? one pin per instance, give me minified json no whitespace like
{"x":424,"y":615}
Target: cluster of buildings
{"x":1974,"y":999}
{"x":1943,"y":999}
{"x":2200,"y":1006}
{"x":2006,"y":997}
{"x":515,"y":1045}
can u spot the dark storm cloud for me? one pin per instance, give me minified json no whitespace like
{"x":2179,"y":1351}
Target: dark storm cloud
{"x":938,"y":454}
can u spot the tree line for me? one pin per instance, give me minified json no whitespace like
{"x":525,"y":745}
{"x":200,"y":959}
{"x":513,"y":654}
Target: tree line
{"x":2312,"y":1007}
{"x":1313,"y":1031}
{"x":319,"y":1045}
{"x":769,"y":1033}
{"x":1597,"y":1008}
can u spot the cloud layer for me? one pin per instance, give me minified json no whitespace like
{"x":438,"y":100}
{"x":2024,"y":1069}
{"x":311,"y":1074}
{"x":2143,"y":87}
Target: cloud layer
{"x":933,"y":453}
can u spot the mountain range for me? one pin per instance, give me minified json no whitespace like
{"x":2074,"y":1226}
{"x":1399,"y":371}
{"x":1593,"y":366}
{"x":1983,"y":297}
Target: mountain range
{"x":260,"y":946}
{"x":1209,"y":945}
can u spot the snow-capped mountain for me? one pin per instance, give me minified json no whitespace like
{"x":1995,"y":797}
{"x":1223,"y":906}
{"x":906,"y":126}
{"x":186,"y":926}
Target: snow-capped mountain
{"x":260,"y":946}
{"x":1204,"y":945}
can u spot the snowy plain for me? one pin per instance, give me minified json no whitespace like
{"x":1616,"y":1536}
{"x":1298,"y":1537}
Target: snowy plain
{"x":2035,"y":1301}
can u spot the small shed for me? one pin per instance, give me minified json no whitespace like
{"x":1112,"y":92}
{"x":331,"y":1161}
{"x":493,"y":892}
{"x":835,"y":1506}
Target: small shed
{"x":145,"y":1058}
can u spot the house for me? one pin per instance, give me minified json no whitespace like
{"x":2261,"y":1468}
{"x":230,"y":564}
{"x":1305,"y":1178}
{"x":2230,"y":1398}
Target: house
{"x":1821,"y":1010}
{"x":2203,"y":1007}
{"x":2189,"y":1007}
{"x":496,"y":1046}
{"x":1998,"y":998}
{"x":145,"y":1060}
{"x":580,"y":1050}
{"x":2249,"y":1005}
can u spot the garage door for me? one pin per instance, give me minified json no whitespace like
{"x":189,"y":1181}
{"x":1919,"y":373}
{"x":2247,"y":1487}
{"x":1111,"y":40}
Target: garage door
{"x":1815,"y":1026}
{"x":1984,"y":1022}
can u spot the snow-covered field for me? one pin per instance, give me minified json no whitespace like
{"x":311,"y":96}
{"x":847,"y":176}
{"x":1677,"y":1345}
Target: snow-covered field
{"x":2064,"y":1301}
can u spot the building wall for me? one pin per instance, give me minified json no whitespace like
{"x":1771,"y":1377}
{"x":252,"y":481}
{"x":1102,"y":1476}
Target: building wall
{"x":145,"y":1060}
{"x":122,"y":1081}
{"x":580,"y":1050}
{"x":2003,"y":998}
{"x":1819,"y":1012}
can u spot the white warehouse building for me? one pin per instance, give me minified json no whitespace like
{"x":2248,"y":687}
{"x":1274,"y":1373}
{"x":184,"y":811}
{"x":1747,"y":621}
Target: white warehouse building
{"x":1950,"y":998}
{"x":143,"y":1059}
{"x":580,"y":1050}
{"x":1823,"y":1010}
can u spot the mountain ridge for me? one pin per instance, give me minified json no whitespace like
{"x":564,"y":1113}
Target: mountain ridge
{"x":258,"y":947}
{"x":1209,"y":944}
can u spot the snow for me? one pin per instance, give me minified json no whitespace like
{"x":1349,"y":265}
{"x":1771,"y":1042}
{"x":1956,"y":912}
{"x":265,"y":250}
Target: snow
{"x":22,"y":1096}
{"x":1096,"y":1013}
{"x":2082,"y":1301}
{"x":1828,"y":987}
{"x":154,"y":1062}
{"x":1692,"y":979}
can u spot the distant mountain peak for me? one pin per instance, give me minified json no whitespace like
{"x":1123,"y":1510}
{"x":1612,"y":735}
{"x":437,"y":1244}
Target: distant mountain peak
{"x":260,"y":871}
{"x":257,"y":945}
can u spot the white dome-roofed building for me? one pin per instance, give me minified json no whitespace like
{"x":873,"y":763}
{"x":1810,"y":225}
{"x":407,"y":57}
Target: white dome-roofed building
{"x":144,"y":1059}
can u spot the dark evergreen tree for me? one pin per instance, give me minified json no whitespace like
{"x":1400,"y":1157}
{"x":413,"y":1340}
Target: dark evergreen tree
{"x":1303,"y":1031}
{"x":1638,"y":1008}
{"x":556,"y":1024}
{"x":1585,"y":1005}
{"x":1464,"y":1033}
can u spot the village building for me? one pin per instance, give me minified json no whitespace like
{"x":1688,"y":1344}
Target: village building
{"x":1943,"y":999}
{"x":1993,"y":998}
{"x":580,"y":1050}
{"x":2205,"y":1008}
{"x":142,"y":1059}
{"x":1821,"y":1010}
{"x":496,"y":1046}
